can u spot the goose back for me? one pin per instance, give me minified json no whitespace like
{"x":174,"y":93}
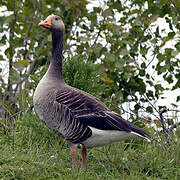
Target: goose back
{"x":72,"y":113}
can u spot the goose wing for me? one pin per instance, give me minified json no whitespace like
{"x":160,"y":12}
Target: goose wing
{"x":69,"y":103}
{"x":82,"y":111}
{"x":108,"y":120}
{"x":68,"y":126}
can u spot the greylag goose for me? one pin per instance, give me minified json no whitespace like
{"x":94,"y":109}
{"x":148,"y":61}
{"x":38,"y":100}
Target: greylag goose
{"x":83,"y":120}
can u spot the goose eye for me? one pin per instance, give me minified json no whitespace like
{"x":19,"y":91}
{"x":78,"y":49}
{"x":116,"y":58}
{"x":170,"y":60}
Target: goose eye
{"x":56,"y":18}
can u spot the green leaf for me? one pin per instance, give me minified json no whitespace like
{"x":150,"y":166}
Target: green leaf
{"x":137,"y":107}
{"x":160,"y":57}
{"x":147,"y":76}
{"x":162,"y":69}
{"x":178,"y":98}
{"x":169,"y":79}
{"x":157,"y":32}
{"x":142,"y":72}
{"x":177,"y":85}
{"x":117,"y":5}
{"x":97,"y":10}
{"x":107,"y":13}
{"x":174,"y":53}
{"x":18,"y":66}
{"x":159,"y":87}
{"x":158,"y":123}
{"x":14,"y":76}
{"x":5,"y":19}
{"x":171,"y":34}
{"x":144,"y":50}
{"x":149,"y":109}
{"x":1,"y":58}
{"x":143,"y":65}
{"x":23,"y":62}
{"x":165,"y":10}
{"x":97,"y":49}
{"x":150,"y":83}
{"x":150,"y":94}
{"x":178,"y":46}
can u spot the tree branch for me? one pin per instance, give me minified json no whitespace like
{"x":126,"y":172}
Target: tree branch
{"x":165,"y":128}
{"x":29,"y":30}
{"x":31,"y":67}
{"x":11,"y":44}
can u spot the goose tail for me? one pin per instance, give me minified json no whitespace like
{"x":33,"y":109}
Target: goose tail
{"x":140,"y":132}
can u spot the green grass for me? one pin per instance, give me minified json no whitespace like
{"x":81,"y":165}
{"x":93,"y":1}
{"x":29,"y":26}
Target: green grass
{"x":31,"y":151}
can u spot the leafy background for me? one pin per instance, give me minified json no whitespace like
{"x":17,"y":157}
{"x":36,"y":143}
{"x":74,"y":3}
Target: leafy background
{"x":127,"y":51}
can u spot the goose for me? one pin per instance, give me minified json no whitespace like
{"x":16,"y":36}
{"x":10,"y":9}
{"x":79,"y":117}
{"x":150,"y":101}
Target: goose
{"x":80,"y":118}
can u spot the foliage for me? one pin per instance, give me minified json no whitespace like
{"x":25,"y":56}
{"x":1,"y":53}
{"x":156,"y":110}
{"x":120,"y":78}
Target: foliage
{"x":121,"y":49}
{"x":77,"y":71}
{"x":125,"y":39}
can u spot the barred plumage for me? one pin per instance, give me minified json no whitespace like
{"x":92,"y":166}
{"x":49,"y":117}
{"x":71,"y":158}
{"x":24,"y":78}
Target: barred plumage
{"x":83,"y":120}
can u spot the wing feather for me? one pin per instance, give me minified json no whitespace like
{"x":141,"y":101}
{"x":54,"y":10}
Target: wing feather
{"x":110,"y":121}
{"x":68,"y":126}
{"x":81,"y":110}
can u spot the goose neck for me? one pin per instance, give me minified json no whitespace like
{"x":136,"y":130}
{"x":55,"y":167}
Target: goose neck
{"x":55,"y":67}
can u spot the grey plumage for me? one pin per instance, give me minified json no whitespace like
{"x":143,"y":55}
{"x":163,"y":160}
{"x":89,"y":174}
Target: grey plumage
{"x":74,"y":114}
{"x":70,"y":112}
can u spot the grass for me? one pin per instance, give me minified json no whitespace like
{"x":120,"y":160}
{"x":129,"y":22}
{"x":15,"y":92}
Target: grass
{"x":31,"y":151}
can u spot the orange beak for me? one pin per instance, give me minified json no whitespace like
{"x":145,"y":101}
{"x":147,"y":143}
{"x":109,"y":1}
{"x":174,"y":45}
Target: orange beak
{"x":46,"y":23}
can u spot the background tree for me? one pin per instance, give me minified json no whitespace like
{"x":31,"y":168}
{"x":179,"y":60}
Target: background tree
{"x":118,"y":45}
{"x":127,"y":51}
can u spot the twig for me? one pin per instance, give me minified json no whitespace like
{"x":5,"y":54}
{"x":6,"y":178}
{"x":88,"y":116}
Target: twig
{"x":31,"y":67}
{"x":173,"y":110}
{"x":165,"y":128}
{"x":151,"y":103}
{"x":151,"y":60}
{"x":174,"y":126}
{"x":119,"y":109}
{"x":176,"y":8}
{"x":11,"y":44}
{"x":140,"y":104}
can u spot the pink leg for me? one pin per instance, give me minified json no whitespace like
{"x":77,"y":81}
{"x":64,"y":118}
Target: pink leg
{"x":84,"y":155}
{"x":73,"y":155}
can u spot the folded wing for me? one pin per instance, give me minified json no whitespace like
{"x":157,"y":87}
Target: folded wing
{"x":81,"y":111}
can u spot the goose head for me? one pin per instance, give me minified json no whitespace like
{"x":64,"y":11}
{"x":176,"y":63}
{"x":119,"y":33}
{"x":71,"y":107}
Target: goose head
{"x":53,"y":23}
